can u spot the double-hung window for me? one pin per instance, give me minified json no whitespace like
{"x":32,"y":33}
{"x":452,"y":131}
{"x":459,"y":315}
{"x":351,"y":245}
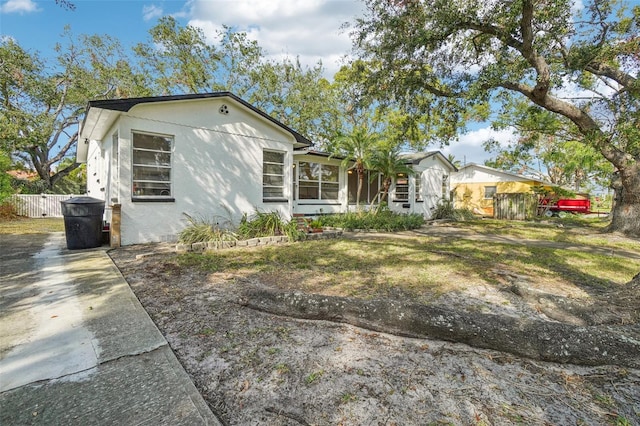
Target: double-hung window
{"x":318,"y":181}
{"x":402,"y":187}
{"x":151,"y":166}
{"x":272,"y":176}
{"x":489,"y":191}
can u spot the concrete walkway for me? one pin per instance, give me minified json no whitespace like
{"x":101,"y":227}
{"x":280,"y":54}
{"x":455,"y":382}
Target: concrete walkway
{"x":77,"y":347}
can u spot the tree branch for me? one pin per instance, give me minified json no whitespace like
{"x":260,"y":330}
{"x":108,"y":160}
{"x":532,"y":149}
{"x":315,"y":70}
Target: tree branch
{"x":604,"y":70}
{"x":64,"y":149}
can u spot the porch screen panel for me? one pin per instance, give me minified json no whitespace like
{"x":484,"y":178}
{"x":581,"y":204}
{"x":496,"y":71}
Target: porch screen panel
{"x":352,"y":186}
{"x":373,"y":180}
{"x":151,"y":165}
{"x":370,"y":186}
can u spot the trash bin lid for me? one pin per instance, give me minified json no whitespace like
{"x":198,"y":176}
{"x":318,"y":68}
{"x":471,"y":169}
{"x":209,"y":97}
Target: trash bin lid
{"x":83,"y":200}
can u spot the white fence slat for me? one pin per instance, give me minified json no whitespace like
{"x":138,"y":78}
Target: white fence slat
{"x":39,"y":205}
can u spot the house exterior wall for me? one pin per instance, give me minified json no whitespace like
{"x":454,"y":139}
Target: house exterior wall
{"x":100,"y":171}
{"x":430,"y":172}
{"x":216,"y":166}
{"x":469,"y":188}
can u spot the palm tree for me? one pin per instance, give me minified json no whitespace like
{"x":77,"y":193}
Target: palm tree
{"x":387,"y":161}
{"x":357,"y":147}
{"x":453,"y":160}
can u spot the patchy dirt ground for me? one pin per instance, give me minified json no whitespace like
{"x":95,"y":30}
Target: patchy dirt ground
{"x":256,"y":368}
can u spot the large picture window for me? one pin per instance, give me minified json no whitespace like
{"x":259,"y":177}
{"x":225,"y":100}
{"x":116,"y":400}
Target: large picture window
{"x":272,"y":176}
{"x":318,"y":181}
{"x":151,"y":166}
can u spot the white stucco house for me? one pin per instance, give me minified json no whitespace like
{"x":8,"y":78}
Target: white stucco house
{"x":214,"y":155}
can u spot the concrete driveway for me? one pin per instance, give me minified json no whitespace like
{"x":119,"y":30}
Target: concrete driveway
{"x":76,"y":346}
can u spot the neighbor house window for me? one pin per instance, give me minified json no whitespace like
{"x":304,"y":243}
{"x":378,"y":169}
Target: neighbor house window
{"x":272,"y":176}
{"x":445,"y":187}
{"x":151,"y":166}
{"x":370,"y":186}
{"x":318,"y":181}
{"x":402,"y":187}
{"x":489,"y":191}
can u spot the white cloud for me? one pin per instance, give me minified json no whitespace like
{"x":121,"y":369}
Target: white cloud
{"x":469,"y":149}
{"x":309,"y":29}
{"x":19,"y":6}
{"x":151,"y":12}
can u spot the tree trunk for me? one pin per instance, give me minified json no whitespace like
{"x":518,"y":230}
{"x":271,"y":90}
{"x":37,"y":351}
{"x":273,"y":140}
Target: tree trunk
{"x":534,"y":339}
{"x":360,"y":171}
{"x":386,"y":184}
{"x":625,"y":212}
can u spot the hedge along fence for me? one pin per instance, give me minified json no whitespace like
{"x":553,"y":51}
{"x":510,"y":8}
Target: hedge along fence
{"x":39,"y":205}
{"x":252,"y":242}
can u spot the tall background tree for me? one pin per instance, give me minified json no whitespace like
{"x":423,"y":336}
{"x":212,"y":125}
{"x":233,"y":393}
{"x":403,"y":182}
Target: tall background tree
{"x":179,"y":58}
{"x":547,"y":146}
{"x":451,"y":62}
{"x":42,"y":100}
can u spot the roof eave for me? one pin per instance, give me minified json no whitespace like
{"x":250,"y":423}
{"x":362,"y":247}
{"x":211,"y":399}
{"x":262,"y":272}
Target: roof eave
{"x":124,"y":105}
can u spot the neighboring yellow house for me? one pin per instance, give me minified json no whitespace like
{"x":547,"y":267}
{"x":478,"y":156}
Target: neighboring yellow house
{"x":474,"y":186}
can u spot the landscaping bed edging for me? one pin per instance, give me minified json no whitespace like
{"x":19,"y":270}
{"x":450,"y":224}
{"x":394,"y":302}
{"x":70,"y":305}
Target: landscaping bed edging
{"x":252,"y":242}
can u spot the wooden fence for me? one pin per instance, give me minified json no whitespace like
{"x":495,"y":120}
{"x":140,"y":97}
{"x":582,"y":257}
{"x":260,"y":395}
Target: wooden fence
{"x":519,"y":206}
{"x":39,"y":205}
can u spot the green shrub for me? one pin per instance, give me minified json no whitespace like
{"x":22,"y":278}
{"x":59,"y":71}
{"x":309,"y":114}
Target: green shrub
{"x":8,"y":211}
{"x":445,"y":210}
{"x":262,"y":224}
{"x":382,"y":221}
{"x":291,"y":230}
{"x":202,"y":230}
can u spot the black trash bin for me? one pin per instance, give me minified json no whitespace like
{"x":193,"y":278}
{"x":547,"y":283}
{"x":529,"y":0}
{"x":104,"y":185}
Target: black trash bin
{"x":83,"y":222}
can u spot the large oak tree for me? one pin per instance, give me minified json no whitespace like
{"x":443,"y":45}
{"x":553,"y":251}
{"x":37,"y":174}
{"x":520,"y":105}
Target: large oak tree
{"x":42,"y":100}
{"x":446,"y":60}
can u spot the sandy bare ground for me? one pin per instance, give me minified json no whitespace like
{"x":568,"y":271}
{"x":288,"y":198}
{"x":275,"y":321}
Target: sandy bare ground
{"x":254,"y":367}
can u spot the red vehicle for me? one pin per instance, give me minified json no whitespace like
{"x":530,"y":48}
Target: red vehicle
{"x":563,"y":206}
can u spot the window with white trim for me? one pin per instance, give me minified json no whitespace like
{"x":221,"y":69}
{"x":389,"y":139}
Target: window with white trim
{"x":489,"y":191}
{"x":151,"y":163}
{"x":318,"y":181}
{"x":402,"y":187}
{"x":418,"y":181}
{"x":272,"y":175}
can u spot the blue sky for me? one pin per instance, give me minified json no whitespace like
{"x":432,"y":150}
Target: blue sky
{"x":308,"y":29}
